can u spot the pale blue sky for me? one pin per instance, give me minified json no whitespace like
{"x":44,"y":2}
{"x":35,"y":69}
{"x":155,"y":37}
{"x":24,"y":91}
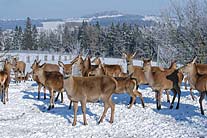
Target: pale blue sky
{"x":20,"y":9}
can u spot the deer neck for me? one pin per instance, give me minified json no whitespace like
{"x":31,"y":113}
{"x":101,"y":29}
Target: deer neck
{"x":193,"y":75}
{"x":149,"y":76}
{"x":41,"y":76}
{"x":130,"y":68}
{"x":7,"y":70}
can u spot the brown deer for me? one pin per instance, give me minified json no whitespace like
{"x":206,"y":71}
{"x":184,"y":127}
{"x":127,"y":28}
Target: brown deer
{"x":52,"y":80}
{"x":18,"y":79}
{"x":110,"y":70}
{"x":18,"y":67}
{"x":197,"y":81}
{"x":47,"y":67}
{"x":5,"y":80}
{"x":163,"y":80}
{"x":202,"y":70}
{"x":138,"y":72}
{"x":90,"y":89}
{"x":124,"y":84}
{"x":67,"y":68}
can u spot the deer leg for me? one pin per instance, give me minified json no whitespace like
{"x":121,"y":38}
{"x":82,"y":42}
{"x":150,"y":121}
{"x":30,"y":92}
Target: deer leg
{"x":57,"y":97}
{"x":112,"y":105}
{"x":185,"y":82}
{"x":133,"y":97}
{"x":6,"y":93}
{"x":70,"y":105}
{"x":191,"y":93}
{"x":157,"y":95}
{"x":39,"y":88}
{"x":44,"y":92}
{"x":51,"y":99}
{"x":202,"y":96}
{"x":168,"y":96}
{"x":83,"y":106}
{"x":137,"y":93}
{"x":106,"y":106}
{"x":3,"y":96}
{"x":61,"y":97}
{"x":179,"y":93}
{"x":175,"y":93}
{"x":75,"y":110}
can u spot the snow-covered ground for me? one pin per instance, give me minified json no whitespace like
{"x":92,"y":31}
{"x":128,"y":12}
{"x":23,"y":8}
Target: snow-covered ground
{"x":26,"y":116}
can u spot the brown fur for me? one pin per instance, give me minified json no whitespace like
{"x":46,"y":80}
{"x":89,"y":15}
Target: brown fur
{"x":90,"y":89}
{"x":124,"y":84}
{"x":47,"y":67}
{"x":25,"y":78}
{"x":110,"y":70}
{"x":53,"y":81}
{"x":5,"y":80}
{"x":202,"y":70}
{"x":138,"y":72}
{"x":198,"y":82}
{"x":18,"y":67}
{"x":163,"y":80}
{"x":67,"y":68}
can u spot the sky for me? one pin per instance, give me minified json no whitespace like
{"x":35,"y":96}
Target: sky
{"x":20,"y":9}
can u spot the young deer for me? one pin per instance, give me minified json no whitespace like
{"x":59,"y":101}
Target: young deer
{"x":163,"y":80}
{"x":5,"y":80}
{"x":197,"y":81}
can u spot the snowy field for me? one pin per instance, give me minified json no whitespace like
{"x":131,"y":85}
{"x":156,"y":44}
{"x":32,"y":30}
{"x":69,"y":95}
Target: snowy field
{"x":26,"y":116}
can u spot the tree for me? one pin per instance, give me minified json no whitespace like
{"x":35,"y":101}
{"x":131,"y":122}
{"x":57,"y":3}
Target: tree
{"x":27,"y":36}
{"x":34,"y":38}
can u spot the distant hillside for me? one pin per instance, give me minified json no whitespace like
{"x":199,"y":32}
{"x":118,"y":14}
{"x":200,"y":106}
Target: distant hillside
{"x":104,"y":18}
{"x":11,"y":24}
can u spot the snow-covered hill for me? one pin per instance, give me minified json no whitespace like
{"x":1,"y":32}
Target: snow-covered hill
{"x":26,"y":116}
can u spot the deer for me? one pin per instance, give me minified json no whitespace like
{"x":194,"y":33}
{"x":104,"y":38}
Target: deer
{"x":18,"y":67}
{"x":90,"y":89}
{"x":67,"y":68}
{"x":25,"y":78}
{"x":163,"y":80}
{"x":202,"y":69}
{"x":52,"y":80}
{"x":138,"y":72}
{"x":110,"y":70}
{"x":197,"y":81}
{"x":124,"y":84}
{"x":5,"y":80}
{"x":49,"y":68}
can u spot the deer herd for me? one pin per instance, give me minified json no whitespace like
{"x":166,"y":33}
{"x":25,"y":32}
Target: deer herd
{"x":86,"y":80}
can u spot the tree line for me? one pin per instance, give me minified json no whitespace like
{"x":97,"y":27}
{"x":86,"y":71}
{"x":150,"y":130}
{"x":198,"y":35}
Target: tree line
{"x":180,"y":33}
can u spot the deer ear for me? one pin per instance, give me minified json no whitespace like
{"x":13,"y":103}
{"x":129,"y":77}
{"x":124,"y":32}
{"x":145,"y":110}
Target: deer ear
{"x":124,"y":54}
{"x":194,"y":60}
{"x":60,"y":63}
{"x":38,"y":62}
{"x":134,"y":54}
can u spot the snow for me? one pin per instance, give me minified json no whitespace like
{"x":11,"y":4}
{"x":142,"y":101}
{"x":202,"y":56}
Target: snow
{"x":51,"y":25}
{"x":151,"y":18}
{"x":26,"y":116}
